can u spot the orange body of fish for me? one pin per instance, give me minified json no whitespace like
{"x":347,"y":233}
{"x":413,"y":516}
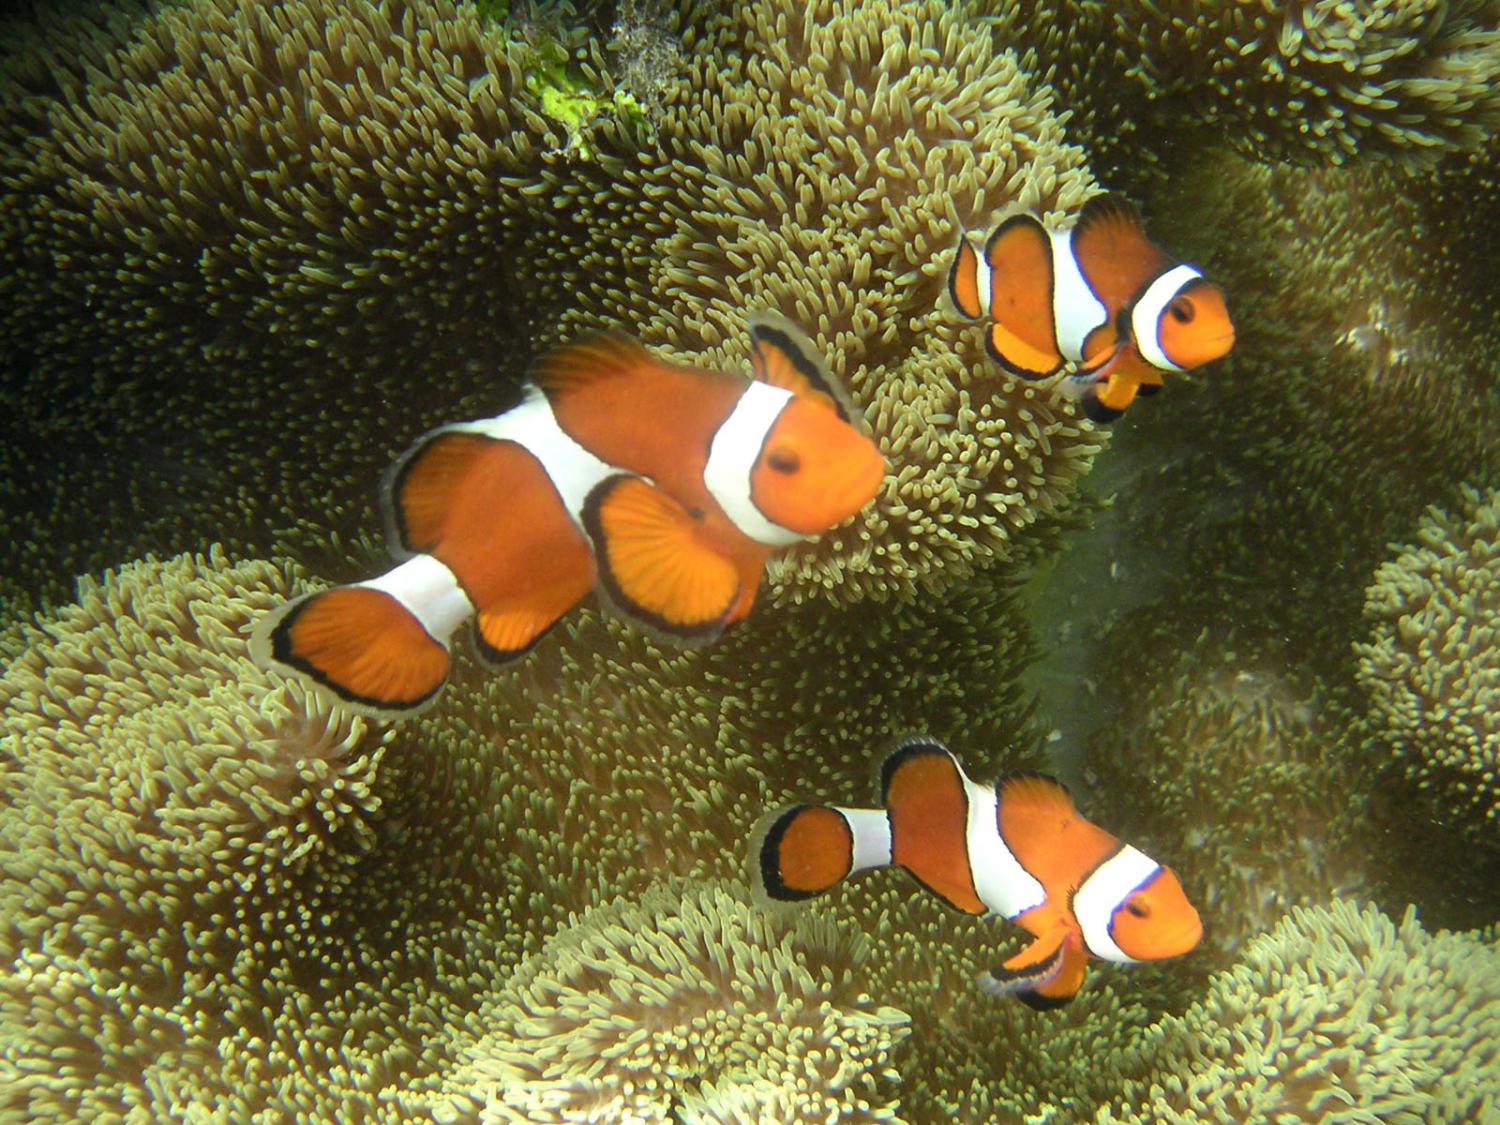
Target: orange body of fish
{"x":1099,"y":298}
{"x":665,"y":487}
{"x":1018,"y":849}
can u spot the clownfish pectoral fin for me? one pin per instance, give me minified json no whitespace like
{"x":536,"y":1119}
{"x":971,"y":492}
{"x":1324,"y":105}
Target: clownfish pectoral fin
{"x":964,"y":287}
{"x":1046,"y":974}
{"x":652,"y":563}
{"x":370,"y":646}
{"x":783,"y":356}
{"x":802,"y":851}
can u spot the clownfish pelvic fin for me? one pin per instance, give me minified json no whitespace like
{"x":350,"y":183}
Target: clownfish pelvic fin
{"x":1046,"y":974}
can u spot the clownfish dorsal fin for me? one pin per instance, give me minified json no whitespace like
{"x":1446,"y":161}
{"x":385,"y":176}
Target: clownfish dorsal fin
{"x":418,"y":490}
{"x":782,"y":355}
{"x":1039,"y":791}
{"x":1110,"y":245}
{"x":590,"y":358}
{"x":653,"y":564}
{"x":1110,"y":208}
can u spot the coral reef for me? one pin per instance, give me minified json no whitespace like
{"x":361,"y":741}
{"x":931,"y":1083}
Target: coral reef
{"x":298,"y":877}
{"x":1226,"y":769}
{"x":248,"y":250}
{"x":1432,"y":666}
{"x":164,"y":799}
{"x":646,"y":1009}
{"x":1337,"y":1015}
{"x":1408,"y":82}
{"x":338,"y":203}
{"x":1323,"y":82}
{"x":243,"y":233}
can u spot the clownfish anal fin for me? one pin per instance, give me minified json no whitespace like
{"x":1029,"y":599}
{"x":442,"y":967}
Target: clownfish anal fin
{"x":1046,"y":974}
{"x":653,"y":564}
{"x":1018,"y":357}
{"x":782,"y":355}
{"x":501,"y":636}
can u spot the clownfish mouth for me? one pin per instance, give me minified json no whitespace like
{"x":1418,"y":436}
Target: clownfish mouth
{"x":1184,"y":939}
{"x":1224,"y":340}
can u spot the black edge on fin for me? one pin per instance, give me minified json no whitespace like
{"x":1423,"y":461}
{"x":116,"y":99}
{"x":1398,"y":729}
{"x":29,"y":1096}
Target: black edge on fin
{"x":1027,"y":978}
{"x":905,"y":749}
{"x":770,"y":845}
{"x":396,"y":536}
{"x":1095,"y":411}
{"x":278,"y":648}
{"x":615,"y":598}
{"x":781,"y":333}
{"x":494,"y":658}
{"x":958,"y":254}
{"x":1029,"y":775}
{"x":1109,"y":207}
{"x":1040,"y":1003}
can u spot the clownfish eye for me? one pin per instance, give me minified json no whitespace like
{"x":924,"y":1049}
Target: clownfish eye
{"x":1181,"y":309}
{"x":783,"y":461}
{"x":1137,"y":907}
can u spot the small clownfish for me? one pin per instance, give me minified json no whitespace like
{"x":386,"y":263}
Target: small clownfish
{"x":1018,"y":849}
{"x":665,"y":487}
{"x":1098,"y":296}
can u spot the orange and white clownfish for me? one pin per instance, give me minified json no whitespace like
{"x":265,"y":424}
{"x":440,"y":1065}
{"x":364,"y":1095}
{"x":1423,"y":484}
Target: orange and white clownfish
{"x":666,"y":486}
{"x":1098,"y":296}
{"x":1018,"y":849}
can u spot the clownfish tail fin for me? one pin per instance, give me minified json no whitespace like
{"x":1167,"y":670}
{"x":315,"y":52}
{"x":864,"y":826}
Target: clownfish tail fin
{"x":802,"y":851}
{"x":380,"y":646}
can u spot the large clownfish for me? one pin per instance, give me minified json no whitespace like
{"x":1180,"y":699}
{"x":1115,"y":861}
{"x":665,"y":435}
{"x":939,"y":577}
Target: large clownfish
{"x":667,"y":486}
{"x":1018,"y":849}
{"x":1098,"y":296}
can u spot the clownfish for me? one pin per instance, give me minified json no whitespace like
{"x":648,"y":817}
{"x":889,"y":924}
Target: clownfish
{"x":1018,"y":849}
{"x":1098,"y":296}
{"x":663,"y":487}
